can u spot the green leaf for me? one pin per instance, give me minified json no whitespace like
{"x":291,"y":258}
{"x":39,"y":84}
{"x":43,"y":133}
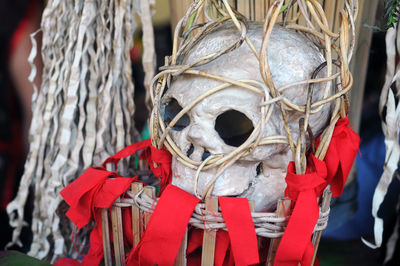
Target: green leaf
{"x":391,"y":12}
{"x":15,"y":258}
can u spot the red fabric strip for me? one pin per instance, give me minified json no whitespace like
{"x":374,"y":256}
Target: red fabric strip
{"x":159,"y":161}
{"x":80,"y":194}
{"x":296,"y":239}
{"x":127,"y":151}
{"x":340,"y":156}
{"x":314,"y":178}
{"x":66,"y":262}
{"x":89,"y":193}
{"x":166,"y":228}
{"x":237,"y":216}
{"x":221,"y":248}
{"x":295,"y":245}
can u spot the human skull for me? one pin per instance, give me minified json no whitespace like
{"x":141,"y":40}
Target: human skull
{"x":224,"y":120}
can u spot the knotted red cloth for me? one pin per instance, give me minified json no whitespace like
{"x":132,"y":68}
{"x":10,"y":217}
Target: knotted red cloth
{"x":94,"y":190}
{"x":296,"y":246}
{"x":89,"y":193}
{"x":159,"y":161}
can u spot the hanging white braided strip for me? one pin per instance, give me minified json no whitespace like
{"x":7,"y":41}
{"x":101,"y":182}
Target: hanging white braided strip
{"x":82,"y":114}
{"x":390,"y":115}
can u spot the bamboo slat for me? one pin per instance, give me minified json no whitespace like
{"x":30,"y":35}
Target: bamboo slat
{"x":359,"y":64}
{"x":281,"y":210}
{"x":106,"y":237}
{"x":326,"y":199}
{"x":244,"y":8}
{"x":256,"y":10}
{"x":136,"y":187}
{"x":339,"y":6}
{"x":209,"y":236}
{"x":116,"y":222}
{"x":330,"y":10}
{"x":151,"y":192}
{"x":181,"y":257}
{"x":259,"y":10}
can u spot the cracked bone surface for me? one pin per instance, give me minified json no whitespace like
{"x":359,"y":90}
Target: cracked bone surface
{"x":222,"y":121}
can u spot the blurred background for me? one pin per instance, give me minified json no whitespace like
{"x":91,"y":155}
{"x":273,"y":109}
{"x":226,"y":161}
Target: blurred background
{"x":351,"y":217}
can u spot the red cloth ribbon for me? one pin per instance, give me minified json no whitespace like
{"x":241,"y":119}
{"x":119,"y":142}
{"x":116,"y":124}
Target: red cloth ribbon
{"x":340,"y":156}
{"x":238,"y":220}
{"x":296,"y":245}
{"x":94,"y":190}
{"x":89,"y":193}
{"x":159,"y":161}
{"x":169,"y":221}
{"x":165,"y":230}
{"x":222,"y":252}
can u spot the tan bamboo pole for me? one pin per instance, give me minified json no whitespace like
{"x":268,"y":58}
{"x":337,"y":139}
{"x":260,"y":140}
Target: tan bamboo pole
{"x":209,"y":236}
{"x":151,"y":192}
{"x":116,"y":223}
{"x":181,"y":257}
{"x":282,"y":210}
{"x":136,"y":188}
{"x":105,"y":231}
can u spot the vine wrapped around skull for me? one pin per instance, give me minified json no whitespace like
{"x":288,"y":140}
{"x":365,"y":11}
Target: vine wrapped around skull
{"x":237,"y":100}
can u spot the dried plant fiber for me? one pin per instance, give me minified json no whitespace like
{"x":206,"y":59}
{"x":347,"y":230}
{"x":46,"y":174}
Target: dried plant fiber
{"x":82,"y":113}
{"x":389,"y":110}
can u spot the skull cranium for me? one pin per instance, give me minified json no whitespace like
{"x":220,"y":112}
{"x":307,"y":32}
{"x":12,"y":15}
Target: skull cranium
{"x":222,"y":121}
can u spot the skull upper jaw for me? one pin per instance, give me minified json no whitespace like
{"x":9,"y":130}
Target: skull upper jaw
{"x":239,"y":180}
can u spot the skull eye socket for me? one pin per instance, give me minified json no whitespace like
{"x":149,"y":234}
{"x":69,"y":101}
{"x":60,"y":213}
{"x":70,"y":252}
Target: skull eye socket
{"x":172,"y":108}
{"x":233,"y":127}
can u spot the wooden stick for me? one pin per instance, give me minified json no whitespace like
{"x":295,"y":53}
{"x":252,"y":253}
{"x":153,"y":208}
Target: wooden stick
{"x":151,"y":192}
{"x":339,"y":6}
{"x":252,"y":206}
{"x":106,"y":237}
{"x":326,"y":200}
{"x":207,"y":256}
{"x":259,"y":6}
{"x":281,"y":211}
{"x":181,"y":257}
{"x":330,"y":11}
{"x":136,"y":187}
{"x":118,"y":240}
{"x":244,"y":9}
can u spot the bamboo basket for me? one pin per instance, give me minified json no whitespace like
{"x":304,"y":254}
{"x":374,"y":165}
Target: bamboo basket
{"x":141,"y":202}
{"x":269,"y":226}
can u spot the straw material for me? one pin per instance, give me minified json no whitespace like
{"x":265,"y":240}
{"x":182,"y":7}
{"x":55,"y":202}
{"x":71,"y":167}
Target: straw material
{"x":81,"y":114}
{"x":389,"y":110}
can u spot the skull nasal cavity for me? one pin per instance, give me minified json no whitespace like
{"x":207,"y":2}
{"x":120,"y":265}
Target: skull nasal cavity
{"x":171,"y":110}
{"x":233,"y":127}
